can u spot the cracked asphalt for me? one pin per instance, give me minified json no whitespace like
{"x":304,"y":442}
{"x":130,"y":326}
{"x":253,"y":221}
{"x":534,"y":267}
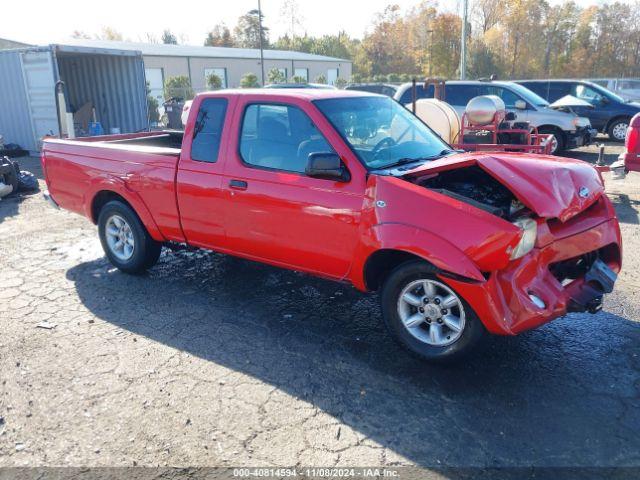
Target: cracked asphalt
{"x":210,"y":360}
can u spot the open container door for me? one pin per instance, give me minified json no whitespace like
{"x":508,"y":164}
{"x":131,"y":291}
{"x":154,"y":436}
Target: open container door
{"x":39,"y":74}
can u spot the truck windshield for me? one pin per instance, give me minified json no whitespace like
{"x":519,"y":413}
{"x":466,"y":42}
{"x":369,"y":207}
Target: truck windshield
{"x":381,"y":132}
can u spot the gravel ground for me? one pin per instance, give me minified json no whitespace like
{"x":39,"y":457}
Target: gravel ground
{"x":213,"y":361}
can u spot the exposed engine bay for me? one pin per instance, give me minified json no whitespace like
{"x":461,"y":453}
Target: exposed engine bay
{"x":476,"y":187}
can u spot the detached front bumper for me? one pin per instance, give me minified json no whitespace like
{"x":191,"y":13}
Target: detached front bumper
{"x":581,"y":137}
{"x":570,"y":270}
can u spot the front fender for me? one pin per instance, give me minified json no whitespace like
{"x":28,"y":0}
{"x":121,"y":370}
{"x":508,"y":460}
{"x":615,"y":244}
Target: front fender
{"x":422,"y":243}
{"x":113,"y":183}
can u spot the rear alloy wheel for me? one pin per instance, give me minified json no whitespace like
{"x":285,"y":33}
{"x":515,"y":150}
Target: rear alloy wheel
{"x":557,"y":140}
{"x":125,"y":240}
{"x":618,"y":130}
{"x":427,"y":316}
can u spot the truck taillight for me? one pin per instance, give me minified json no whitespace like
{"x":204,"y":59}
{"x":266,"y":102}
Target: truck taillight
{"x":632,"y":143}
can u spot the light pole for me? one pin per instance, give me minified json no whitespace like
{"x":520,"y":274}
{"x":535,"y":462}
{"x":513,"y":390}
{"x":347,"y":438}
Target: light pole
{"x":261,"y":46}
{"x":430,"y":34}
{"x":463,"y":42}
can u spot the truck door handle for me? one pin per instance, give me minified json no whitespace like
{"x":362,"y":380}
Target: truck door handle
{"x":238,"y":184}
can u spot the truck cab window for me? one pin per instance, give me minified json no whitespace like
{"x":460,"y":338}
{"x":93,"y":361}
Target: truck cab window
{"x":208,"y":130}
{"x":280,"y":137}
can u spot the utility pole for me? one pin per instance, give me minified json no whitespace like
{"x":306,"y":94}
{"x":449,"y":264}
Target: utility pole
{"x":463,"y":41}
{"x":261,"y":46}
{"x":430,"y":33}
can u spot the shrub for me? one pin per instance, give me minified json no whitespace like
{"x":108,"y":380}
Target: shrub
{"x":249,"y":80}
{"x":178,"y":87}
{"x":275,"y":76}
{"x":214,"y":82}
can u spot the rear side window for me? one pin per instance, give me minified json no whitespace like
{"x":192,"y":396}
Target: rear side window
{"x":279,"y":137}
{"x":460,"y":95}
{"x":208,"y":130}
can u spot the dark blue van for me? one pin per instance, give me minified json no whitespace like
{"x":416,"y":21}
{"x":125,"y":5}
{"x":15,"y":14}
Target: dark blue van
{"x":611,"y":113}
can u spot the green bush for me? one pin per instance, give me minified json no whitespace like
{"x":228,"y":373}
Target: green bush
{"x":298,"y":79}
{"x":214,"y":82}
{"x":321,"y":79}
{"x":178,"y":87}
{"x":249,"y":80}
{"x":275,"y":76}
{"x":340,"y":82}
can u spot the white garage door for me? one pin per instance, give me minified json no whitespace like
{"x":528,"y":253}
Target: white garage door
{"x":332,"y":76}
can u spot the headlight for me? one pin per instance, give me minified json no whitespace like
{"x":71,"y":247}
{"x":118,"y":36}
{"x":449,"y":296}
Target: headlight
{"x":529,"y":233}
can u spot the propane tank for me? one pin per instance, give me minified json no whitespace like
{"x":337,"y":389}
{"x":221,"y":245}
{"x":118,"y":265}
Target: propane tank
{"x":441,"y":118}
{"x":484,"y":109}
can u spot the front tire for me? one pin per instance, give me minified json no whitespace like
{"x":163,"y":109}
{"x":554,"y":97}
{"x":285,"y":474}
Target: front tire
{"x":617,"y":131}
{"x":558,"y":143}
{"x":125,"y":240}
{"x":428,"y":317}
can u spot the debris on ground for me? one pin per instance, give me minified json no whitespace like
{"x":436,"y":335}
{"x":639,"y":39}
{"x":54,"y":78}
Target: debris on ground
{"x":47,"y":325}
{"x":14,"y":180}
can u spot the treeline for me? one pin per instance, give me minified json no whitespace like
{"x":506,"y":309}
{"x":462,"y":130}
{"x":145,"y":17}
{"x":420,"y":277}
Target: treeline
{"x":508,"y":38}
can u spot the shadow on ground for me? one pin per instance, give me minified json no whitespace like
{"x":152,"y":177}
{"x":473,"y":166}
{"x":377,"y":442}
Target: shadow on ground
{"x":626,"y":207}
{"x":566,"y":394}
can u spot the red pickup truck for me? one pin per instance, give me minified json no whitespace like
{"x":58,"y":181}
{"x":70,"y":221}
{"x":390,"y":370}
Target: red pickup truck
{"x":351,"y":186}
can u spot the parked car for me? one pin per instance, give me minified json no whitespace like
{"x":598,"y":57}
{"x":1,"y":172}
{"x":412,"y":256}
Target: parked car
{"x":382,"y":88}
{"x":610,"y":113}
{"x":568,"y":130}
{"x":627,"y":88}
{"x":352,"y":187}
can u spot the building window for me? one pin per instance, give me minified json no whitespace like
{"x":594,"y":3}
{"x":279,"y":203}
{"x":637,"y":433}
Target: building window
{"x":221,"y":73}
{"x":302,"y":73}
{"x":208,"y":130}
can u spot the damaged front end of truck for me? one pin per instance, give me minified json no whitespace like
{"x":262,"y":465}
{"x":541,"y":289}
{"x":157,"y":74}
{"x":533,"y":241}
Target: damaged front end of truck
{"x":540,"y":231}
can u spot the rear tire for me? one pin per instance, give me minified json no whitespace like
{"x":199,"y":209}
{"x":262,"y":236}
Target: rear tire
{"x":428,"y":317}
{"x":125,"y":240}
{"x":617,"y":131}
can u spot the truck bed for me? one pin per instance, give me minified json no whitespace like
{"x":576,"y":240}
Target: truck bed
{"x":142,"y":164}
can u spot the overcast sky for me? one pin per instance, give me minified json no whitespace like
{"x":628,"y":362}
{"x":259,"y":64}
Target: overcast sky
{"x":42,"y":22}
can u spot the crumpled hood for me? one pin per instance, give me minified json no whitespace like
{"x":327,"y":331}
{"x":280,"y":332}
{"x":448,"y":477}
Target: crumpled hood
{"x":552,"y":187}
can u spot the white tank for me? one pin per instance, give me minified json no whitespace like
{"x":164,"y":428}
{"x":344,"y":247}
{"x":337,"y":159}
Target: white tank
{"x":481,"y":110}
{"x":440,"y":116}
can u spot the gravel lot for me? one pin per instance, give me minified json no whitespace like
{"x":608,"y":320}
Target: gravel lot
{"x":214,"y":361}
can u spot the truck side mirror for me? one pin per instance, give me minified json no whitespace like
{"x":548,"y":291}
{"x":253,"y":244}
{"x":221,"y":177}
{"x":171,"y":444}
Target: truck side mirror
{"x":520,"y":105}
{"x":328,"y":166}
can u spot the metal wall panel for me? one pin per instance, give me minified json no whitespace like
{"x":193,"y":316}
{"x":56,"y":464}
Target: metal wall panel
{"x":15,"y":119}
{"x":114,"y":84}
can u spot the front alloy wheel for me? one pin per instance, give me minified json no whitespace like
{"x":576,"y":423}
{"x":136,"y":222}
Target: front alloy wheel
{"x":427,"y":316}
{"x":431,"y":312}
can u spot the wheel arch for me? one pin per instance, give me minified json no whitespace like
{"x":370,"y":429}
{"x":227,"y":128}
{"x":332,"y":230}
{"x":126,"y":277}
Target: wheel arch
{"x":101,"y":196}
{"x":398,"y":243}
